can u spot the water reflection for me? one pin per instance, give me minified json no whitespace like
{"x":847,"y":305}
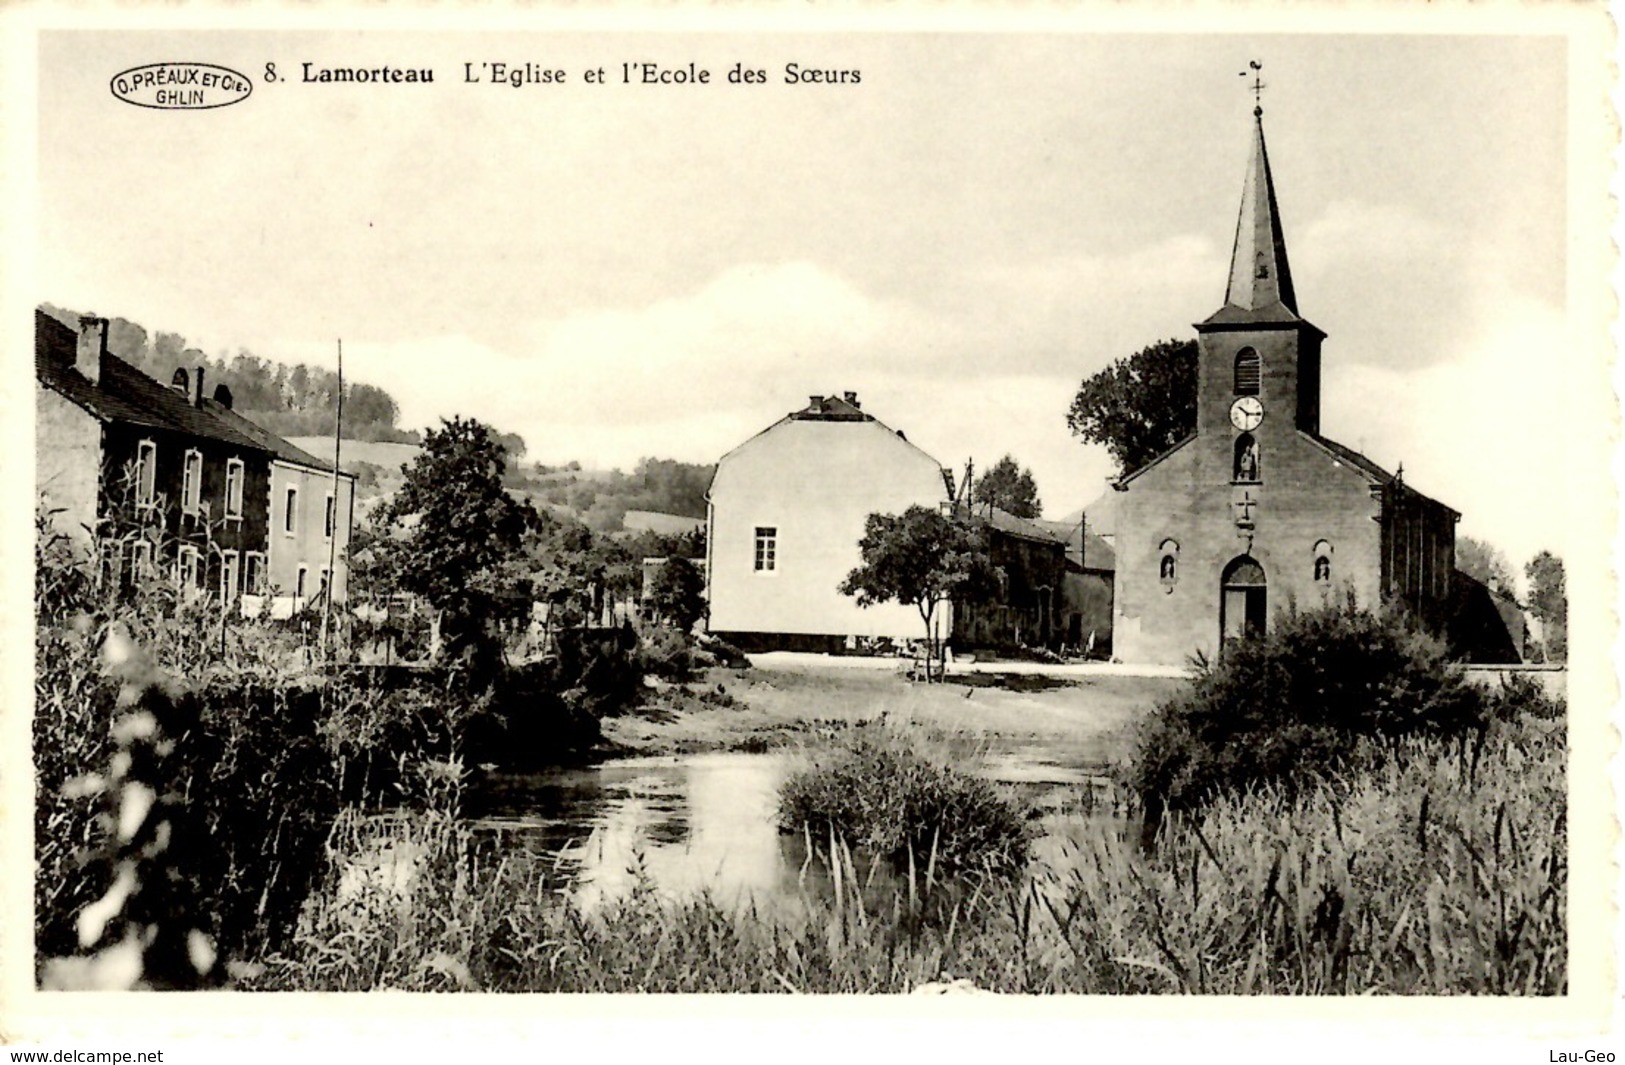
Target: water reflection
{"x":707,"y":822}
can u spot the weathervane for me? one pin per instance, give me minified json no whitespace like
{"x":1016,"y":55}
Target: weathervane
{"x":1257,"y":86}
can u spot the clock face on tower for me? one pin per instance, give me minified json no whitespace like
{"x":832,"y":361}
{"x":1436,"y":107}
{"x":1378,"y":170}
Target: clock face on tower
{"x":1246,"y":413}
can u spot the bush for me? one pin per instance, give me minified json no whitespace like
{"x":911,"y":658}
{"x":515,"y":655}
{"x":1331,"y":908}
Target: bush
{"x":881,"y":790}
{"x":1294,"y":705}
{"x":539,"y":717}
{"x":667,"y":653}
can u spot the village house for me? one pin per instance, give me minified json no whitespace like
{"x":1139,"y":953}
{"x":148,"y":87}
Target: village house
{"x":142,"y":475}
{"x":1087,"y":592}
{"x":310,"y":517}
{"x":1031,"y":611}
{"x":786,"y":510}
{"x":169,"y":481}
{"x":1256,"y":510}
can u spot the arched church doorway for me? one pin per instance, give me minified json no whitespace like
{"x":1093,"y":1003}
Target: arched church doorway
{"x":1242,"y":600}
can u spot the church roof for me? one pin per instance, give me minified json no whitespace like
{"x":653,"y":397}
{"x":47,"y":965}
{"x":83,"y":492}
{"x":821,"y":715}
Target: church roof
{"x":1260,"y":289}
{"x":1353,"y":458}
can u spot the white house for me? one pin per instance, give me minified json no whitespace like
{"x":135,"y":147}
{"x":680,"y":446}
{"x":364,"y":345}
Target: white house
{"x":786,"y":511}
{"x":311,"y":515}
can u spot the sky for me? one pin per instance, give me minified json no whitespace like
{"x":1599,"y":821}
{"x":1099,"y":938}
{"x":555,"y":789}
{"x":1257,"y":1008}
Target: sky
{"x":617,"y":271}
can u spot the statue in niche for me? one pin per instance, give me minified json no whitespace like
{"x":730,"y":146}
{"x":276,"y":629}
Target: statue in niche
{"x":1246,"y":459}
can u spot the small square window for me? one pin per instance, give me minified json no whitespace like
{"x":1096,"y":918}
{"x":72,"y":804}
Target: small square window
{"x":767,"y":548}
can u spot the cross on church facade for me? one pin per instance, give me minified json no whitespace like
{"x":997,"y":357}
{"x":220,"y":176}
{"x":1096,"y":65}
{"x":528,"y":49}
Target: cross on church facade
{"x":1244,"y":509}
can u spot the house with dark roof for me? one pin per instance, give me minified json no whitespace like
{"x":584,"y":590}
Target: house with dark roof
{"x":1031,"y":609}
{"x":141,"y":474}
{"x":166,"y":480}
{"x":1256,"y":510}
{"x":310,"y":516}
{"x":785,"y":512}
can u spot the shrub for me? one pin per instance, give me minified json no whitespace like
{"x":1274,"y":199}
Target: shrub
{"x":540,"y":716}
{"x":667,"y":653}
{"x":880,"y":789}
{"x":1293,"y":705}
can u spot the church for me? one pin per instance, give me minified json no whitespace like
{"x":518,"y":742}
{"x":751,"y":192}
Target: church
{"x":1256,"y":512}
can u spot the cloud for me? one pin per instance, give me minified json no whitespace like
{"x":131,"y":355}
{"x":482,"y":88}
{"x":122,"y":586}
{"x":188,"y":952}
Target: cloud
{"x":990,"y":366}
{"x":1485,"y":432}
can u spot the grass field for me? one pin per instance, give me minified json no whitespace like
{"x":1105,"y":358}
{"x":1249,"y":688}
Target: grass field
{"x":758,"y":708}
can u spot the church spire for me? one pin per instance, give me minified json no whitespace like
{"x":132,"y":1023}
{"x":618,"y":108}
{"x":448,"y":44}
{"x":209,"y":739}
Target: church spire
{"x":1260,"y":280}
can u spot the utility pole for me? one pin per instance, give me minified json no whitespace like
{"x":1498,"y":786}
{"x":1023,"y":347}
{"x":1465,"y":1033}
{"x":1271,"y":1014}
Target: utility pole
{"x":333,"y":533}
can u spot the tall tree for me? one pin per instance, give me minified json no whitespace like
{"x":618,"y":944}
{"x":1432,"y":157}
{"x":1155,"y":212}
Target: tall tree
{"x":452,"y":535}
{"x":1009,"y":487}
{"x":1485,"y":563}
{"x":678,"y":593}
{"x":922,"y":558}
{"x":1140,"y":406}
{"x":1549,"y":602}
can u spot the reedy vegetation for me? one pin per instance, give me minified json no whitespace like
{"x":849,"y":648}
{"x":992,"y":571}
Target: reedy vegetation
{"x":1439,"y":871}
{"x":1430,"y":864}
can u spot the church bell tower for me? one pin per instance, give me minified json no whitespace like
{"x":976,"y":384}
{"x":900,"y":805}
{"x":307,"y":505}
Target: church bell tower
{"x":1258,"y":362}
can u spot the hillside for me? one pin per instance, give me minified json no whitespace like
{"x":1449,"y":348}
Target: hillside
{"x":297,"y":400}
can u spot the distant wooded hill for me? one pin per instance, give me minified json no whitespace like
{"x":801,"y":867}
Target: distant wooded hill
{"x":288,"y":400}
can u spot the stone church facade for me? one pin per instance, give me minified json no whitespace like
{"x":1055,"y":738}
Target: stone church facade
{"x":1256,"y":512}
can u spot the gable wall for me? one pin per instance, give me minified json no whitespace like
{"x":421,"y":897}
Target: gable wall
{"x":67,"y":463}
{"x":815,"y":482}
{"x":1306,"y":495}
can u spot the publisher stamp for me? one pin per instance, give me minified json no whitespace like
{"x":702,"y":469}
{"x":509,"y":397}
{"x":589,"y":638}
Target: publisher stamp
{"x":181,"y":86}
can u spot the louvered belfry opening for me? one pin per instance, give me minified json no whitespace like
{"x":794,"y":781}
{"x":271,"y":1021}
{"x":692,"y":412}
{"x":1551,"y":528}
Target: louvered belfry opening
{"x":1248,"y":370}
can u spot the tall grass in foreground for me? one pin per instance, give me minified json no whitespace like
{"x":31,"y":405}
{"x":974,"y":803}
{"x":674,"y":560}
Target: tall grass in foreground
{"x":1442,"y":870}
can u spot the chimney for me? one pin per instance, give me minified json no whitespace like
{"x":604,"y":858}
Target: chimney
{"x":87,"y":358}
{"x":815,"y":402}
{"x":852,"y":398}
{"x":196,"y":397}
{"x":222,"y":395}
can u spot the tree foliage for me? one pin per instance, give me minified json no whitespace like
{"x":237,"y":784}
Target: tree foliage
{"x":1298,"y":701}
{"x":678,"y":593}
{"x":1009,"y":487}
{"x":1140,"y":406}
{"x":452,"y":535}
{"x":922,"y":558}
{"x":1549,"y":602}
{"x":1485,"y":563}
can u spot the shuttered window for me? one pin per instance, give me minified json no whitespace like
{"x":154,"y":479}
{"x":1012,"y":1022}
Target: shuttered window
{"x":1247,"y":372}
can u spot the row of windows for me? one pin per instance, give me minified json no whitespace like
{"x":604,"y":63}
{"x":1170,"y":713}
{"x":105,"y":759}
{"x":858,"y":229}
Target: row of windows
{"x":1168,"y":567}
{"x":192,"y":489}
{"x":189,"y":572}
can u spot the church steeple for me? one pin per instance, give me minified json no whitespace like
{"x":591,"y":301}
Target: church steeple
{"x":1260,"y":288}
{"x":1260,"y":278}
{"x":1257,"y":345}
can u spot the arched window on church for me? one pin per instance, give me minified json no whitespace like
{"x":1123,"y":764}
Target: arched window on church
{"x":1323,"y":562}
{"x":1168,"y":568}
{"x":1248,"y":371}
{"x":1246,"y":461}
